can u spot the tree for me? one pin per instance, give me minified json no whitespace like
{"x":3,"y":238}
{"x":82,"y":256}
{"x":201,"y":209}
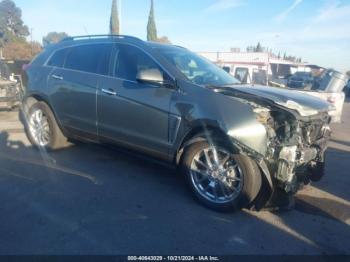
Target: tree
{"x":21,"y":50}
{"x":12,"y":27}
{"x":164,"y":40}
{"x":151,"y":26}
{"x":348,"y":74}
{"x":53,"y":37}
{"x":279,"y":55}
{"x":114,"y":22}
{"x":259,"y":48}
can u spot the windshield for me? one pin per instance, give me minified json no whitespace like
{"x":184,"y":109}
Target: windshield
{"x":197,"y":69}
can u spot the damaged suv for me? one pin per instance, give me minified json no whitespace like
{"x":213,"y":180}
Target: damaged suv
{"x":238,"y":146}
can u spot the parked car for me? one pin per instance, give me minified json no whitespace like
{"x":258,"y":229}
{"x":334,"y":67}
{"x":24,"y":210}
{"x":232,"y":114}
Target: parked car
{"x":347,"y":89}
{"x":300,"y":80}
{"x":237,"y":146}
{"x":330,"y":87}
{"x":10,"y":88}
{"x":249,"y":74}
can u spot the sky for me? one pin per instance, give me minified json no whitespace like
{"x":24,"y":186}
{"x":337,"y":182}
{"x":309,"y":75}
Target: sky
{"x":316,"y":30}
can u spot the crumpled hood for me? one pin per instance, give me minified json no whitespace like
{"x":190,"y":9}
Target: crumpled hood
{"x":286,"y":98}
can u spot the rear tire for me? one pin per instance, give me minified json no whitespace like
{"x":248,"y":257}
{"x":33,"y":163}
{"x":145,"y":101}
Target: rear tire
{"x":42,"y":129}
{"x":246,"y":171}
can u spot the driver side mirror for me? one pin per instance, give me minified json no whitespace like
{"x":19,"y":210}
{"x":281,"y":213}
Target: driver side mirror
{"x":153,"y":77}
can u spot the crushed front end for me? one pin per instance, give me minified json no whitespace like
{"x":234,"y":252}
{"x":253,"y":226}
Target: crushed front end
{"x":288,"y":139}
{"x":296,"y":147}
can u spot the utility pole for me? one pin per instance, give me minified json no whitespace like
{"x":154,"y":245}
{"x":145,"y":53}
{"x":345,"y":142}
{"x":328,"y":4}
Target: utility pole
{"x":120,"y":16}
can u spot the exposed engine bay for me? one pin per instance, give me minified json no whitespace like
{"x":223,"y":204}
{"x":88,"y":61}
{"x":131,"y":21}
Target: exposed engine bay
{"x":295,"y":147}
{"x":297,"y":139}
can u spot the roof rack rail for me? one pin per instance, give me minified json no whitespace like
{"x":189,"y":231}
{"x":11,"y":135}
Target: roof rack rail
{"x":82,"y":37}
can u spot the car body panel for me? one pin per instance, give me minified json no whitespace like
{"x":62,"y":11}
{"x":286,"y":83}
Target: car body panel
{"x":74,"y":99}
{"x":283,"y":96}
{"x":137,"y":115}
{"x":231,"y":117}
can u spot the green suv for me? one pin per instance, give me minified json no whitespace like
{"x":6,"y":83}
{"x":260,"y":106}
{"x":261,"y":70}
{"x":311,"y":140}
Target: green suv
{"x":238,"y":146}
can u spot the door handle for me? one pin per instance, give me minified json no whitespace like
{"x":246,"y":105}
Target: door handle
{"x":109,"y":92}
{"x":57,"y":77}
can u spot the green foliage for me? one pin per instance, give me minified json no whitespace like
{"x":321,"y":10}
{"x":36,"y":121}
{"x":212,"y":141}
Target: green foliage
{"x":259,"y":48}
{"x":21,"y":50}
{"x":114,"y":22}
{"x":53,"y":37}
{"x":164,"y":40}
{"x":12,"y":27}
{"x":348,"y":74}
{"x":151,"y":26}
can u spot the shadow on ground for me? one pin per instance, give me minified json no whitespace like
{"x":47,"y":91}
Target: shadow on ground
{"x":93,"y":200}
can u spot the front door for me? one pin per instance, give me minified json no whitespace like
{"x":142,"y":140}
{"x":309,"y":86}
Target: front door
{"x":132,"y":113}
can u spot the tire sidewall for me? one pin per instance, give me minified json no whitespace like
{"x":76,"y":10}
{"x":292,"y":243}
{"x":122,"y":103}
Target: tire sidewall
{"x":53,"y":134}
{"x":250,"y":173}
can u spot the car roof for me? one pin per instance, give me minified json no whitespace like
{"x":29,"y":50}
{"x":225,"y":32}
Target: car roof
{"x":88,"y":39}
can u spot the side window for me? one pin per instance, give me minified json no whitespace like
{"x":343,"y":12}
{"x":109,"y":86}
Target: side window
{"x":131,"y":60}
{"x":104,"y":53}
{"x":242,"y":74}
{"x":58,"y":58}
{"x":90,"y":58}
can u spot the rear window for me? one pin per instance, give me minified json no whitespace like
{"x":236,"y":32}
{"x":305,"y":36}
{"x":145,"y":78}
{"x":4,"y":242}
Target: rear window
{"x":90,"y":58}
{"x":58,"y":58}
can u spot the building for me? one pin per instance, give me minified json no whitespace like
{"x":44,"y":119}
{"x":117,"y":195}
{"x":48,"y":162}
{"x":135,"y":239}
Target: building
{"x":254,"y":68}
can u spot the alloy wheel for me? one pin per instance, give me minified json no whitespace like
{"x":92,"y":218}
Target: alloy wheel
{"x":39,"y":128}
{"x":216,"y":175}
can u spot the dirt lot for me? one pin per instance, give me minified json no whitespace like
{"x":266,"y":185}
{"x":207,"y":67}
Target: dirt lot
{"x":93,"y":200}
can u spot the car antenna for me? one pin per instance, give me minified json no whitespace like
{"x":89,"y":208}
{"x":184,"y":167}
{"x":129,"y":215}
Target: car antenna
{"x":86,"y":31}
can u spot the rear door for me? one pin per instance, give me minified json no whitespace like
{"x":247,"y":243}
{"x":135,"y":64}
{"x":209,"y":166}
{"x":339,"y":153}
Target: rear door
{"x":73,"y":87}
{"x":132,"y":113}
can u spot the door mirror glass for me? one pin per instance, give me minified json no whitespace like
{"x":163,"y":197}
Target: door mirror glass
{"x":151,"y":76}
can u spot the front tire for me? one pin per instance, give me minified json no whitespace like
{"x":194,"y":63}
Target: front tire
{"x":220,"y":179}
{"x":42,"y":129}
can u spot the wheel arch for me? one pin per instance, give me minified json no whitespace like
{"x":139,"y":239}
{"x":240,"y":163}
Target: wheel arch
{"x":30,"y":100}
{"x":201,"y":133}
